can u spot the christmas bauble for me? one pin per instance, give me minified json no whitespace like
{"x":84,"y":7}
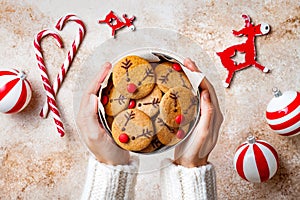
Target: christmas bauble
{"x":256,"y":160}
{"x":283,"y":113}
{"x":15,"y":91}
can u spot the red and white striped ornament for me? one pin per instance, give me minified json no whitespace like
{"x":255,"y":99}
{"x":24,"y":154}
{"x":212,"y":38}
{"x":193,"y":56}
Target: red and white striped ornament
{"x":283,"y":113}
{"x":256,"y":160}
{"x":15,"y":91}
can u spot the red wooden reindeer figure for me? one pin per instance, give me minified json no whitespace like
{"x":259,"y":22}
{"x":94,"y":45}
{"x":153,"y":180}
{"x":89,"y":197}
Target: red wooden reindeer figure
{"x":248,"y":48}
{"x":115,"y":23}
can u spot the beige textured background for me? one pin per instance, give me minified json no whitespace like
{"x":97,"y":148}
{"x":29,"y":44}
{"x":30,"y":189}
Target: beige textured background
{"x":36,"y":164}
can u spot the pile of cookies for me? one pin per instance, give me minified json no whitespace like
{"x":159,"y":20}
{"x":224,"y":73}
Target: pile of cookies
{"x":148,"y":105}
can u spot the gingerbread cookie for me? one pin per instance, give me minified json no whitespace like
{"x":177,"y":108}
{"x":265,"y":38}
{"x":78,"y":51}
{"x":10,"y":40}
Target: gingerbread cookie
{"x":178,"y":107}
{"x":169,"y":75}
{"x":132,"y":130}
{"x":115,"y":103}
{"x":133,"y":77}
{"x":169,"y":135}
{"x":150,"y":103}
{"x":109,"y":120}
{"x":153,"y":146}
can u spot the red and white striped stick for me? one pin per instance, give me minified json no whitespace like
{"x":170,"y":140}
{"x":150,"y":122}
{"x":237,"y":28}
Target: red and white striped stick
{"x":43,"y":71}
{"x":71,"y":54}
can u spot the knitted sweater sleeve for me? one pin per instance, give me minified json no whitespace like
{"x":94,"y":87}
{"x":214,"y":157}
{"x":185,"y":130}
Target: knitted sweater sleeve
{"x":110,"y":182}
{"x":181,"y":183}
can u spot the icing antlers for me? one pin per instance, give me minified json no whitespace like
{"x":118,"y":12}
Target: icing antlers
{"x":175,"y":97}
{"x":155,"y":103}
{"x":120,"y":99}
{"x":128,"y":117}
{"x":194,"y":102}
{"x":156,"y":143}
{"x":146,"y":133}
{"x":164,"y":78}
{"x":149,"y":73}
{"x":183,"y":82}
{"x":126,"y":66}
{"x":162,"y":123}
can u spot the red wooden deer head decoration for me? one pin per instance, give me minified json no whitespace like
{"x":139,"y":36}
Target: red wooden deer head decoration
{"x":116,"y":23}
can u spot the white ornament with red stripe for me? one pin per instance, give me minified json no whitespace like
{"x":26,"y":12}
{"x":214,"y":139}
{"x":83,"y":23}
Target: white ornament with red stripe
{"x":256,"y":160}
{"x":283,"y":113}
{"x":15,"y":91}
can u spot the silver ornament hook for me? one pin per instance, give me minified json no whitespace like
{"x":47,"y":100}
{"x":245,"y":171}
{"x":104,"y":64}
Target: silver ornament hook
{"x":251,"y":139}
{"x":276,"y":92}
{"x":22,"y":75}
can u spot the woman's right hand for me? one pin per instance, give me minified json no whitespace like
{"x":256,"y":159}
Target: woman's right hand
{"x":194,"y":151}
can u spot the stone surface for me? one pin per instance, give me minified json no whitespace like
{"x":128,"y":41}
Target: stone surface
{"x":35,"y":163}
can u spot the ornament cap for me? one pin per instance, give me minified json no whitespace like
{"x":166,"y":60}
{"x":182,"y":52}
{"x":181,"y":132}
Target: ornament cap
{"x":251,"y":139}
{"x":22,"y":75}
{"x":276,"y":92}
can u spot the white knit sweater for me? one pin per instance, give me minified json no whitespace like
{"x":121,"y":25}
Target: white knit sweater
{"x":177,"y":182}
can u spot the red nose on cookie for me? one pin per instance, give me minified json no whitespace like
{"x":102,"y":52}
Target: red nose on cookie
{"x":180,"y":134}
{"x":123,"y":138}
{"x":176,"y":67}
{"x":104,"y":100}
{"x":132,"y":104}
{"x":179,"y":119}
{"x":131,"y":87}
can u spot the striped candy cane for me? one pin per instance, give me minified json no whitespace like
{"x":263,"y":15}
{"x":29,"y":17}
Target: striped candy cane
{"x":71,"y":54}
{"x":47,"y":86}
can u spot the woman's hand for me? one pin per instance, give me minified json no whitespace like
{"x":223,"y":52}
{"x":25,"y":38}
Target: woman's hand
{"x":194,"y":151}
{"x":92,"y":132}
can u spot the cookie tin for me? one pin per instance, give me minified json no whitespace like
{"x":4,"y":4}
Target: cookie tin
{"x":156,"y":55}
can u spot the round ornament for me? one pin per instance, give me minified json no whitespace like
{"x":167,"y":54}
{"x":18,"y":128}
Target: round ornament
{"x":283,"y":113}
{"x":15,"y":91}
{"x":256,"y":160}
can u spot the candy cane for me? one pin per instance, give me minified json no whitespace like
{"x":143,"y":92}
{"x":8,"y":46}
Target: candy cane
{"x":43,"y":71}
{"x":71,"y":54}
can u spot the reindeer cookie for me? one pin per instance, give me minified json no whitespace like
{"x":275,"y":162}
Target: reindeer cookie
{"x":168,"y":135}
{"x":133,"y":77}
{"x":168,"y":76}
{"x":178,"y":107}
{"x":150,"y":103}
{"x":115,"y":103}
{"x":132,"y":130}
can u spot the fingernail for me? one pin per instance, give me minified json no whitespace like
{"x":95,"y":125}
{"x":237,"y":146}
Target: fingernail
{"x":206,"y":96}
{"x":93,"y":103}
{"x":107,"y":64}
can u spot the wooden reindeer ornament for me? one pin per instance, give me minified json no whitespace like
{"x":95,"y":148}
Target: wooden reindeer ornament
{"x":247,"y":48}
{"x":113,"y":21}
